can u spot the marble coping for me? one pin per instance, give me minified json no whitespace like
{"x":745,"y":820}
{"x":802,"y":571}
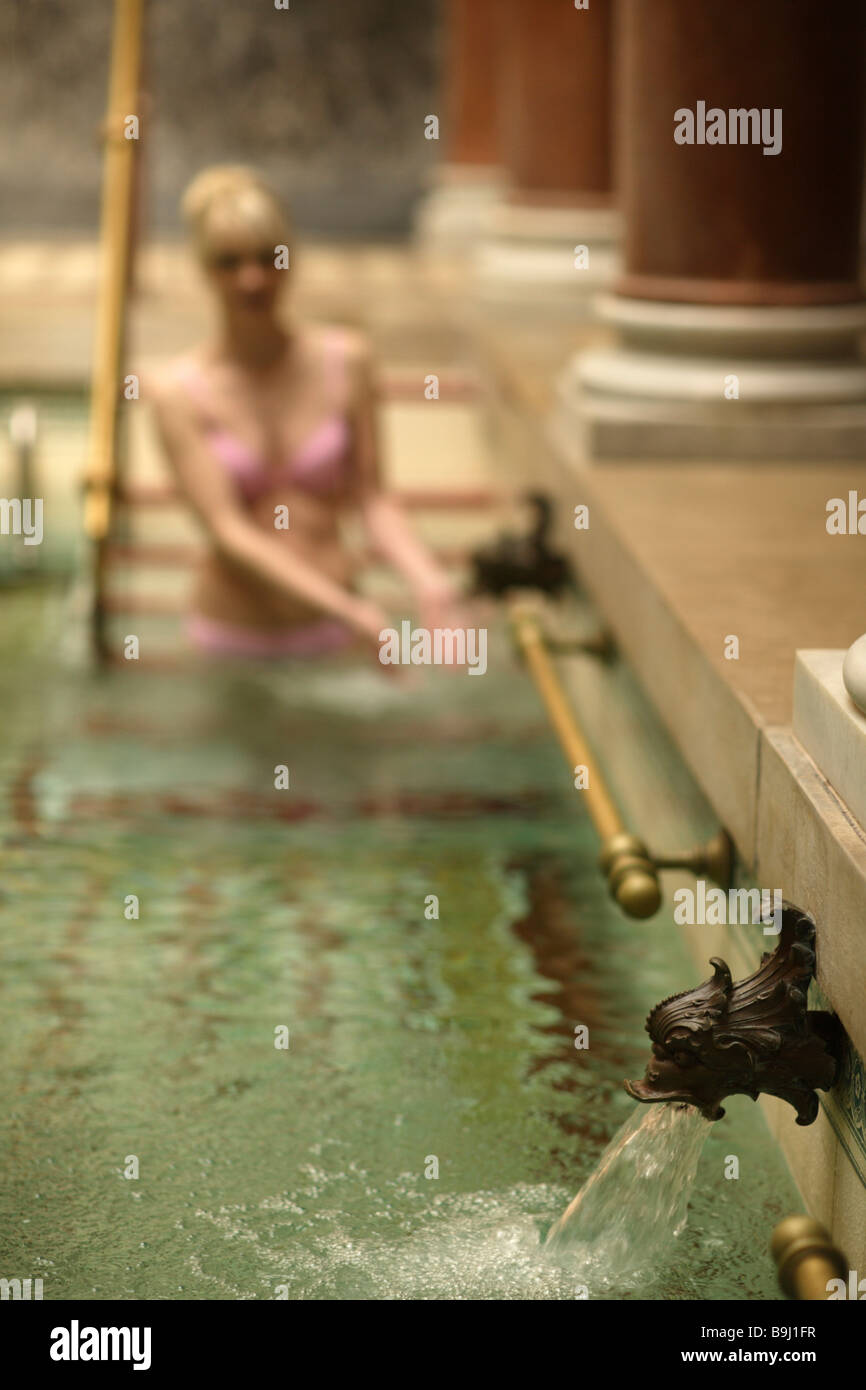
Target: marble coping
{"x":830,"y":727}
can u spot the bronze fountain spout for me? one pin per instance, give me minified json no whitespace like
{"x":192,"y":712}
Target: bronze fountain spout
{"x":742,"y":1037}
{"x":524,"y":561}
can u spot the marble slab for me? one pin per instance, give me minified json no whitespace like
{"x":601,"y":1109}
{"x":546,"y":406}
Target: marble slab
{"x":830,"y":727}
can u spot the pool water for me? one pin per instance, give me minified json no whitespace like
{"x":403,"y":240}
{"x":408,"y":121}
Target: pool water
{"x":430,"y":1117}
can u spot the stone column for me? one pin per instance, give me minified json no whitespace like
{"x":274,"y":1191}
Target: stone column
{"x":551,"y":239}
{"x":740,"y":306}
{"x":469,"y":181}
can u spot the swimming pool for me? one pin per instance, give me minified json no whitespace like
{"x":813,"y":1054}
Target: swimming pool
{"x":417,"y":1044}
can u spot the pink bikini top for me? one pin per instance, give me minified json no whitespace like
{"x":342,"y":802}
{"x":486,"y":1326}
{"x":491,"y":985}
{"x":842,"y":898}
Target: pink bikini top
{"x":318,"y":466}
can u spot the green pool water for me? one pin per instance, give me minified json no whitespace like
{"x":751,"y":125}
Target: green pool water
{"x":301,"y":1172}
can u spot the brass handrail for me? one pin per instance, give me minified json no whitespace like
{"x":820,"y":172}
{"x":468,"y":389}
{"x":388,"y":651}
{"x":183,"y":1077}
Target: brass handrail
{"x":115,"y":258}
{"x":630,"y":868}
{"x":806,"y":1259}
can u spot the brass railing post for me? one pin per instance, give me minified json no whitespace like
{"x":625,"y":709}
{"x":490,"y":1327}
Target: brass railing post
{"x":806,"y":1259}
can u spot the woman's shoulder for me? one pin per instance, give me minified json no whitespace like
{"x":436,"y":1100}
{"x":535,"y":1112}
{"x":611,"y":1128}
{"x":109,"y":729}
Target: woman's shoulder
{"x":174,"y":382}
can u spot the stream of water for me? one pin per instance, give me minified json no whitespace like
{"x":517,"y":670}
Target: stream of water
{"x":625,"y":1217}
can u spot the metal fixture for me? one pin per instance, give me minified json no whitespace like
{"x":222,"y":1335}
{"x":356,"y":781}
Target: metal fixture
{"x":600,"y":643}
{"x":806,"y":1258}
{"x":740,"y":1038}
{"x":630,"y":867}
{"x":523,"y":562}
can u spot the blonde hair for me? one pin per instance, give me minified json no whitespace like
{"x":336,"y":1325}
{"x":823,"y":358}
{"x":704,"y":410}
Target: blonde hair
{"x":228,"y":199}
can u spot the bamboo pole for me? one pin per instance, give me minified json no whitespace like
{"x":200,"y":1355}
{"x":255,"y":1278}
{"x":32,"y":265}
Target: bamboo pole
{"x":115,"y":253}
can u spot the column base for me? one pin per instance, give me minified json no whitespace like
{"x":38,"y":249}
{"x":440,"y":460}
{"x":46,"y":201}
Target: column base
{"x":531,"y":258}
{"x":702,"y":382}
{"x":458,"y":209}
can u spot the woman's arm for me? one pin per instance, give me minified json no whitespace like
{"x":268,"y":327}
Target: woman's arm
{"x":212,"y":497}
{"x":386,"y":522}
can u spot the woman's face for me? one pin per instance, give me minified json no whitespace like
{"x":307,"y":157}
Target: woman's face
{"x":245,"y":275}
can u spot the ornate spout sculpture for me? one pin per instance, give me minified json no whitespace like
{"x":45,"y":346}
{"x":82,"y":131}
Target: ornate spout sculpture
{"x":742,"y":1037}
{"x":523,"y":562}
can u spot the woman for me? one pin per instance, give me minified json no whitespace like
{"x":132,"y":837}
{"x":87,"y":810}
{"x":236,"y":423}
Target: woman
{"x":270,"y":431}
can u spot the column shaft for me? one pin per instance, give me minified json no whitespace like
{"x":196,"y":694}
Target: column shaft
{"x":726,"y":223}
{"x":471,"y":77}
{"x":556,"y":100}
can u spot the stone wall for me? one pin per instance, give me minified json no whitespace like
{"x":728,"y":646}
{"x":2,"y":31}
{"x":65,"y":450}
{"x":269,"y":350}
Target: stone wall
{"x":327,"y":97}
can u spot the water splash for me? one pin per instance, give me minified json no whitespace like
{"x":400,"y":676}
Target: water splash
{"x":624,"y":1218}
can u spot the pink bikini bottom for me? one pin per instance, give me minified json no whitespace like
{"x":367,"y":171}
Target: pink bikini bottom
{"x":228,"y":639}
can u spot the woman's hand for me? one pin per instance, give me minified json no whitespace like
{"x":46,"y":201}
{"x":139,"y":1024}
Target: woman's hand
{"x":370,"y":620}
{"x":438,"y":603}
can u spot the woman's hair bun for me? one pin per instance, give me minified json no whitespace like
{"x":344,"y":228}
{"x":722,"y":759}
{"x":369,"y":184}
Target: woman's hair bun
{"x":236,"y":196}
